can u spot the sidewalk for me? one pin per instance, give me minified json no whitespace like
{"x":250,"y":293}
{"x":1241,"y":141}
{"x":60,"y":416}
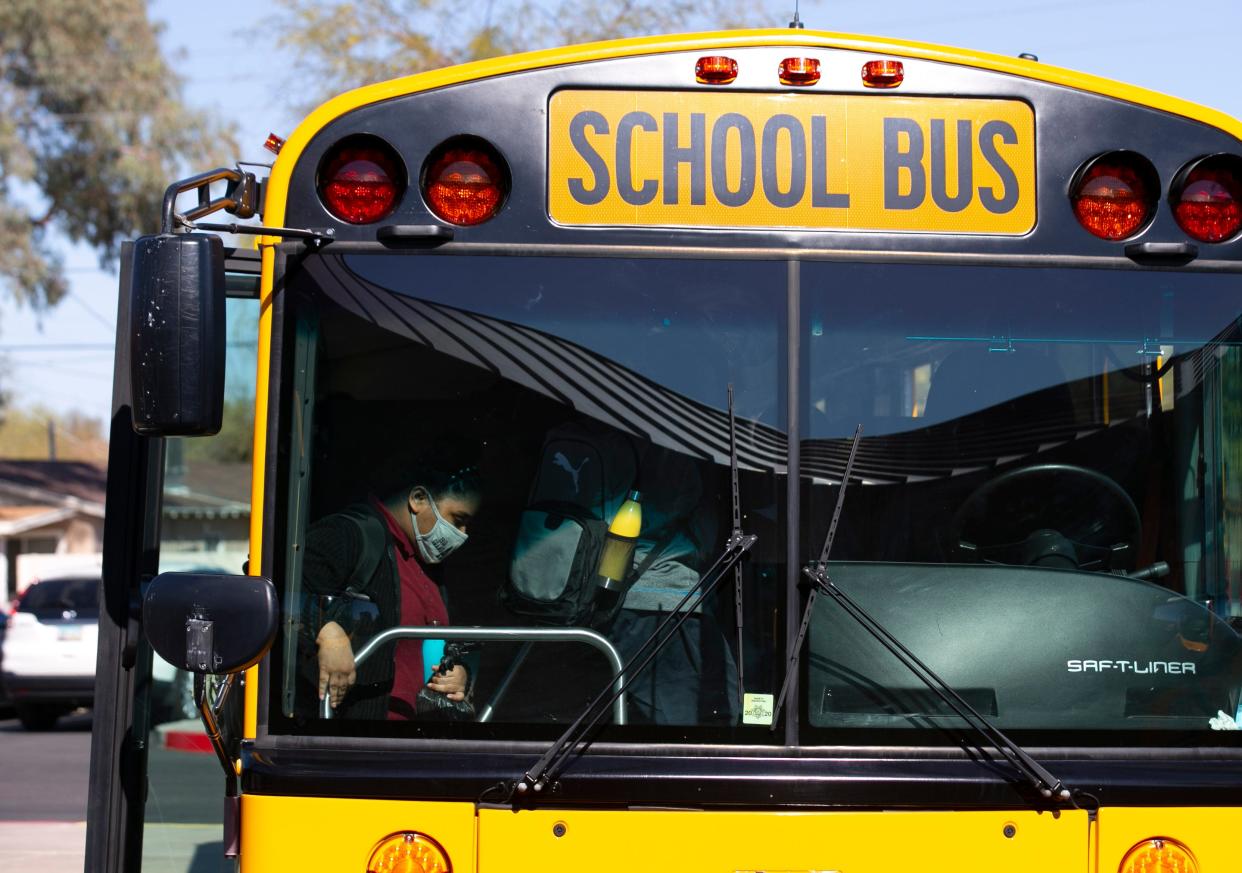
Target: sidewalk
{"x":58,"y":847}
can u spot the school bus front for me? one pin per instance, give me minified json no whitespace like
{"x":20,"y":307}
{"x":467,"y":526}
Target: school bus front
{"x":898,"y":382}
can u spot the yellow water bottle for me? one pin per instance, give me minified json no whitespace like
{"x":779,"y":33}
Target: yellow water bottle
{"x":616,"y":559}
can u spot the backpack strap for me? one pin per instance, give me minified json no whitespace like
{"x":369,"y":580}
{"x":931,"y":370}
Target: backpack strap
{"x":374,"y":546}
{"x":652,"y":556}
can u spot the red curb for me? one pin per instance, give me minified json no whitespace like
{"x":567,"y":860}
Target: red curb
{"x":187,"y":741}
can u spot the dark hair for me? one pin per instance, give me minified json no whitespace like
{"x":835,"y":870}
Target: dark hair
{"x":446,"y":468}
{"x":463,"y":483}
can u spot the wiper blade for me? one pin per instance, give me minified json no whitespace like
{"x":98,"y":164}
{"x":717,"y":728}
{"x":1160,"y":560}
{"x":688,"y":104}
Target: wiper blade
{"x":739,"y":609}
{"x":549,"y":766}
{"x":1043,"y":781}
{"x":791,"y":669}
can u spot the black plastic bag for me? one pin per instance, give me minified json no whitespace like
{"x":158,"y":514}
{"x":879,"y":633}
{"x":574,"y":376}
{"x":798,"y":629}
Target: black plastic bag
{"x":434,"y":706}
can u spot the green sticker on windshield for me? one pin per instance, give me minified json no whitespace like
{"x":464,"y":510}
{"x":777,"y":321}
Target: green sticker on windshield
{"x":757,"y":709}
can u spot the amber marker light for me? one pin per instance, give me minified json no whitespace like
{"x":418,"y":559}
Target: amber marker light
{"x":715,"y":70}
{"x":883,"y":74}
{"x":1159,"y":855}
{"x":1207,"y":198}
{"x":408,"y":852}
{"x":799,"y":71}
{"x":1114,"y":195}
{"x":465,"y":181}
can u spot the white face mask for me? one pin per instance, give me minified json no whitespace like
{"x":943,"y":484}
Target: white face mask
{"x":441,"y":541}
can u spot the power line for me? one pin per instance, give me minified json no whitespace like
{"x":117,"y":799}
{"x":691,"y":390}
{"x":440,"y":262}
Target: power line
{"x":70,"y":347}
{"x":111,"y":327}
{"x":50,"y":347}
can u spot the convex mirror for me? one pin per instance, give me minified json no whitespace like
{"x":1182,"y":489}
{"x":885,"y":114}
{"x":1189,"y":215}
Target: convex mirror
{"x":210,"y":622}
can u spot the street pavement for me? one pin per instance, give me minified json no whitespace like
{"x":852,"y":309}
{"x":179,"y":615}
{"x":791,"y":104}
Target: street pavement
{"x":43,"y":790}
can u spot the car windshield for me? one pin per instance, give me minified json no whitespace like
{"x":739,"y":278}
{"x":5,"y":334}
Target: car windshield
{"x":62,"y":598}
{"x":1040,"y":509}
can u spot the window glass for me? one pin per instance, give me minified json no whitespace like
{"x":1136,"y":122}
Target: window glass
{"x":1042,"y":507}
{"x":204,"y":527}
{"x":52,"y":598}
{"x":509,"y":409}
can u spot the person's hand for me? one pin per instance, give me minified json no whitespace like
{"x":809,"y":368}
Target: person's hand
{"x":452,"y":684}
{"x":336,"y":663}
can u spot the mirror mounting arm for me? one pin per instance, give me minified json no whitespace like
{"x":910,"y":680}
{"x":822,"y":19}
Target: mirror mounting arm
{"x":241,"y":197}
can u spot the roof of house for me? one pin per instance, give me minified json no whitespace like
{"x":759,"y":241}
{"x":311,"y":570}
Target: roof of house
{"x":78,"y":479}
{"x":197,"y":489}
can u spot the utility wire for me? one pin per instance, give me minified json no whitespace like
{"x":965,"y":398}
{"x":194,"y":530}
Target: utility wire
{"x":77,"y":298}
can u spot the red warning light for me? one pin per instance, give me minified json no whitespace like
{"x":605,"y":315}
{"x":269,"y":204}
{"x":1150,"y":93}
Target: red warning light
{"x":361,"y":180}
{"x":274,"y":143}
{"x":465,"y":181}
{"x":1114,"y":195}
{"x":1207,"y":199}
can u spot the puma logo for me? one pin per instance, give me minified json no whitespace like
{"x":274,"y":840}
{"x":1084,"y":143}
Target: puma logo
{"x":561,"y":461}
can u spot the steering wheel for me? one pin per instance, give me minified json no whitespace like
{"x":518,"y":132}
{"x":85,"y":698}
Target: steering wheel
{"x":1049,"y":515}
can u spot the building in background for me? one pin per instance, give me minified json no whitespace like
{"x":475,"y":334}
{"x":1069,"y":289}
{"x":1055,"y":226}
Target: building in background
{"x":52,"y":515}
{"x":51,"y":519}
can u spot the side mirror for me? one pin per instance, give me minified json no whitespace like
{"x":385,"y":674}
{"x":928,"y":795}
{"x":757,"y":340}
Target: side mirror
{"x":176,"y":328}
{"x":208,"y":622}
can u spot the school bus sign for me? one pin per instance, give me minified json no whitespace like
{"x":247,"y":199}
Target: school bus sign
{"x":828,"y":161}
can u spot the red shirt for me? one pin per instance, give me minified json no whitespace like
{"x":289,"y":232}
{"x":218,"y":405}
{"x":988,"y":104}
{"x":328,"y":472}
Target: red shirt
{"x":421,"y":604}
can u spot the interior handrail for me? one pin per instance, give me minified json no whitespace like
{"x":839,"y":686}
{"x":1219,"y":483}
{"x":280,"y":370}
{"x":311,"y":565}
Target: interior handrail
{"x":502,"y":634}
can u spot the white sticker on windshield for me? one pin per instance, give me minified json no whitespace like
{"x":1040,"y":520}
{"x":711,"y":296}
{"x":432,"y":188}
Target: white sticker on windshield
{"x":757,"y":709}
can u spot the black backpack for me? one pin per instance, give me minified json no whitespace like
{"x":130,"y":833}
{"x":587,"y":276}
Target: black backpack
{"x":583,"y":477}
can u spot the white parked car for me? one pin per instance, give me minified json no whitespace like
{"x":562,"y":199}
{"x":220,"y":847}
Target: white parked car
{"x":48,"y":662}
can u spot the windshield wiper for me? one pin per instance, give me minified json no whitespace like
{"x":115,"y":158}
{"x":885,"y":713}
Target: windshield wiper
{"x":1048,"y":786}
{"x":546,"y":770}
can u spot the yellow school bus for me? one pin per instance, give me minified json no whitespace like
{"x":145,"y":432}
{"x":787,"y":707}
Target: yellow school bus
{"x":750,"y":451}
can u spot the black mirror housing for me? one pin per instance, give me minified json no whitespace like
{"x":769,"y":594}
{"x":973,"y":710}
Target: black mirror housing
{"x":176,"y":327}
{"x":210,"y":622}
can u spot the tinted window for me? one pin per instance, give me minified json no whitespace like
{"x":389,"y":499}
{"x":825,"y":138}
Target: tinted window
{"x":53,"y":598}
{"x":558,"y":378}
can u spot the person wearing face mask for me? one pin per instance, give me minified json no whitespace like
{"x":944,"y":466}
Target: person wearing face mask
{"x":414,"y":528}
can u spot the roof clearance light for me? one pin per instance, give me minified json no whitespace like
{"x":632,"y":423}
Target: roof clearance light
{"x":1159,"y":855}
{"x":1114,"y":195}
{"x":715,"y":70}
{"x":883,"y":74}
{"x":799,"y":71}
{"x":274,"y":143}
{"x":1207,"y":198}
{"x":361,"y":179}
{"x":465,"y":181}
{"x":408,"y":852}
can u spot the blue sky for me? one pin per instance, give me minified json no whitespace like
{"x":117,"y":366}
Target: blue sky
{"x":63,"y":359}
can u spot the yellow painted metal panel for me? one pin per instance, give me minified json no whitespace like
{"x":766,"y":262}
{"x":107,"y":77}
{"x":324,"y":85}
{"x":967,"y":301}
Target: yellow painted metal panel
{"x":858,"y":162}
{"x":337,"y":836}
{"x":850,"y":842}
{"x":267,"y":255}
{"x":1210,"y":833}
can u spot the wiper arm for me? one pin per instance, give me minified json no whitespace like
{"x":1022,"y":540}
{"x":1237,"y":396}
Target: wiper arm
{"x":1044,"y":782}
{"x":791,"y":669}
{"x":548,"y":768}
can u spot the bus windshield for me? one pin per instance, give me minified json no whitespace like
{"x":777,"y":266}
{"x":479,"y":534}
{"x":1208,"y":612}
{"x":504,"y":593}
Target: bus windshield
{"x":1039,"y":509}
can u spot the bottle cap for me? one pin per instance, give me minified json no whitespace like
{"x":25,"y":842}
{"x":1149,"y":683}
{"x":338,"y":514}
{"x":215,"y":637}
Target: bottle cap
{"x":635,"y":496}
